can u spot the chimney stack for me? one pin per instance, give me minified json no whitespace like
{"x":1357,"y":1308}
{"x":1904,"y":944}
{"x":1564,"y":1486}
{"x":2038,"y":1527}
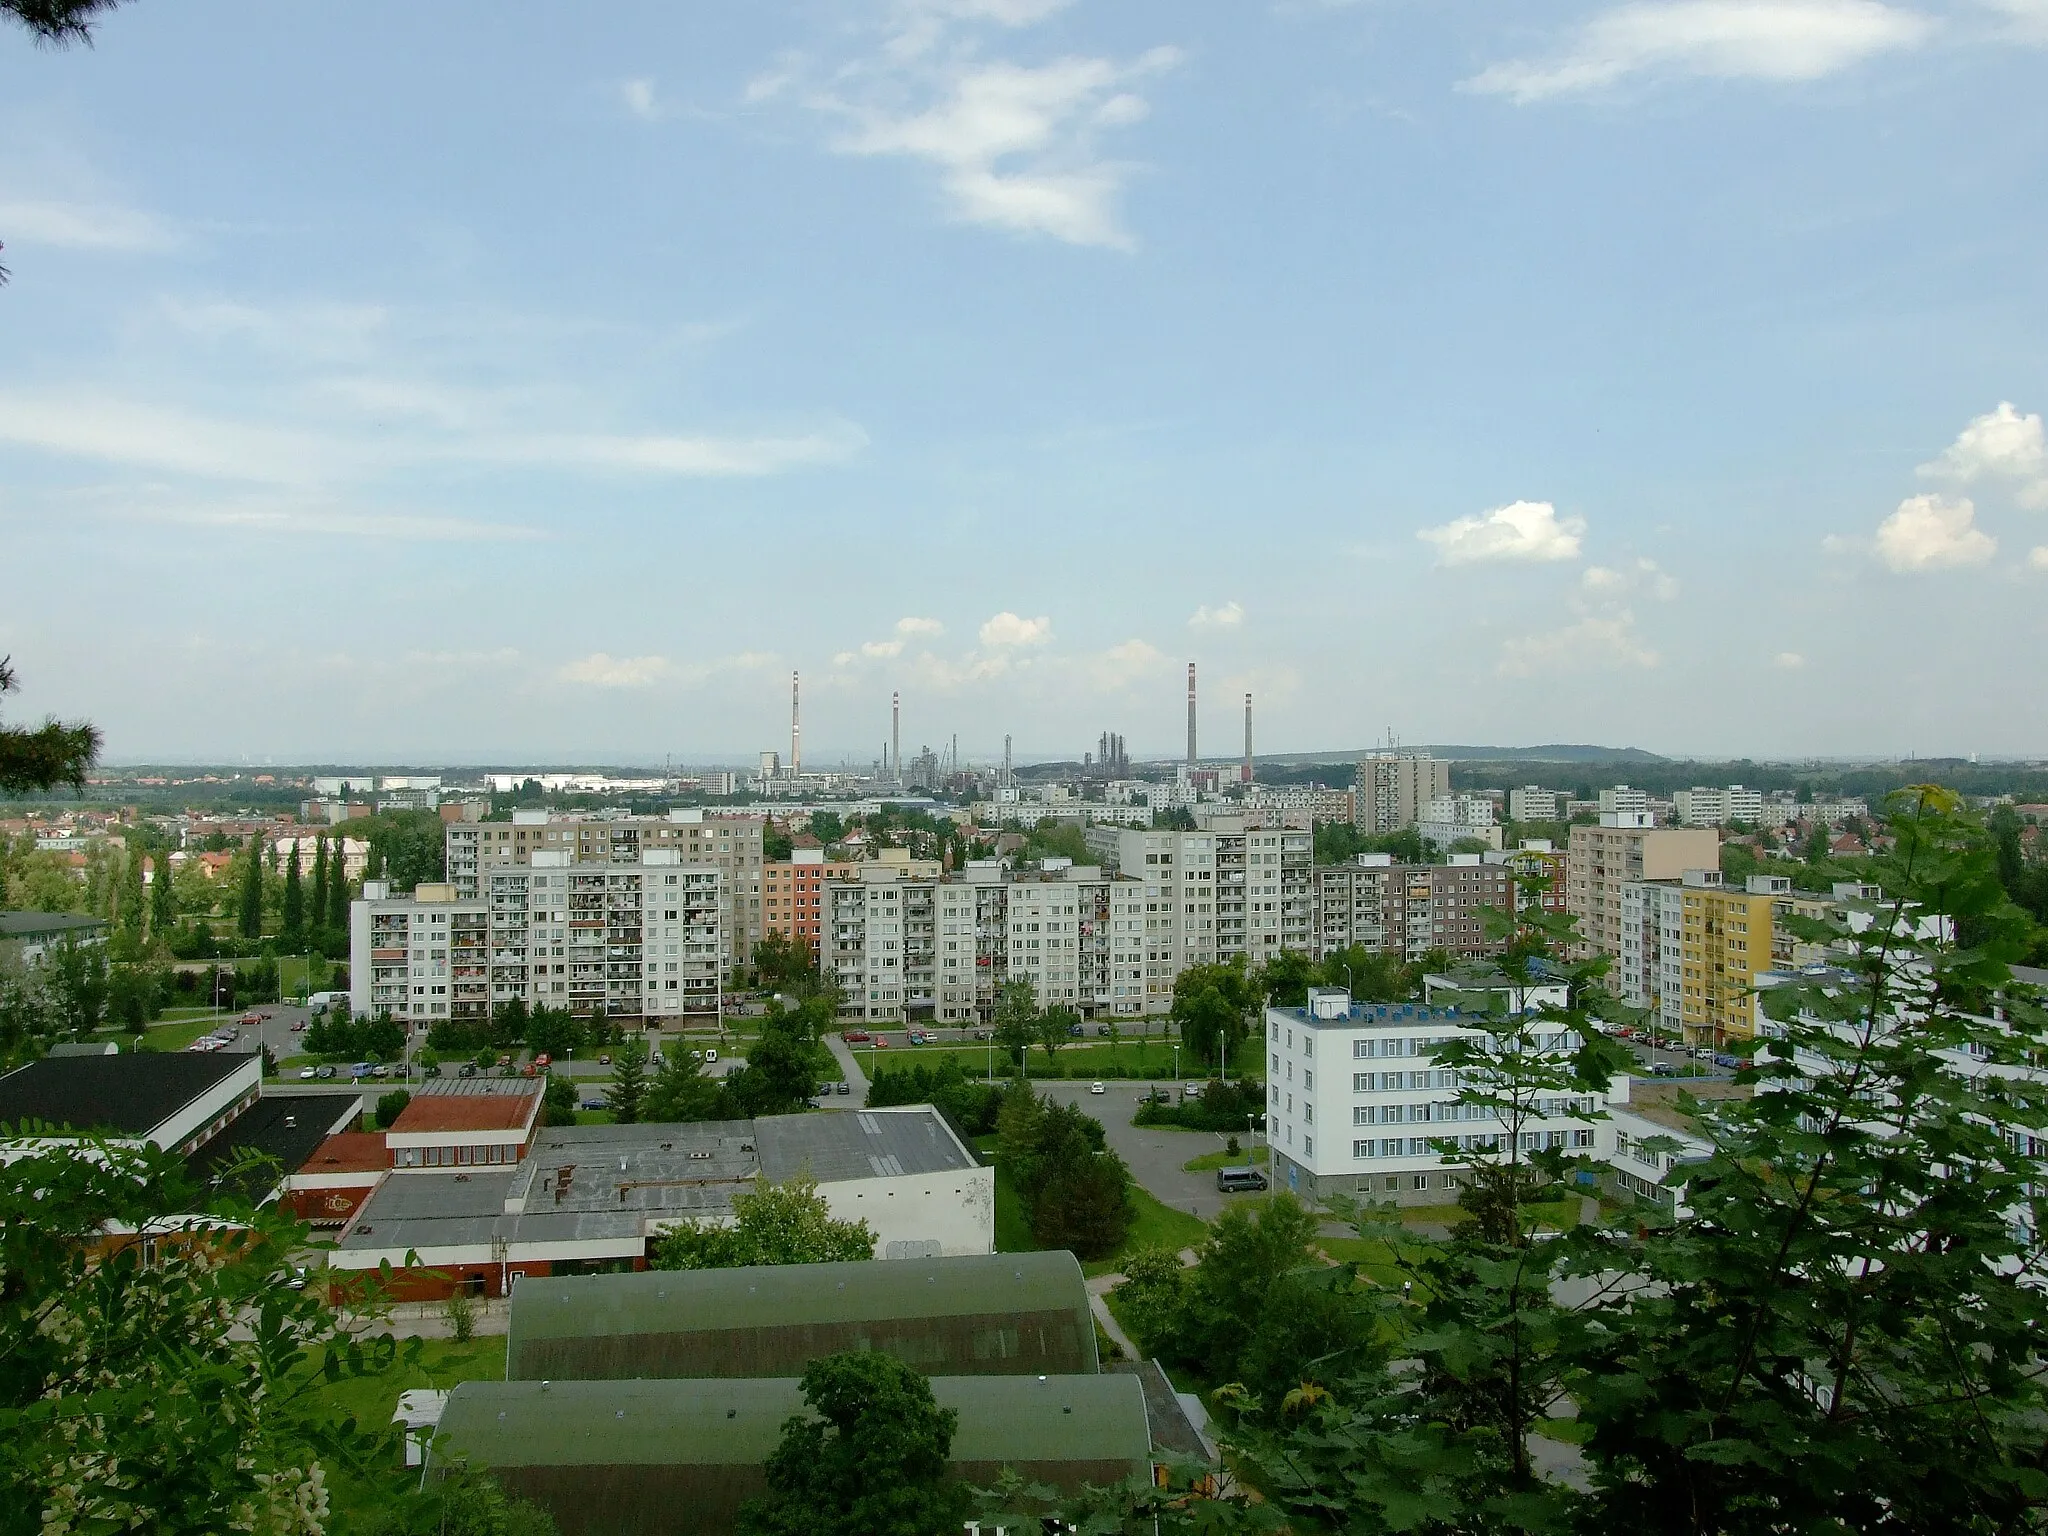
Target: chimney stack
{"x":896,"y":734}
{"x":1247,"y":738}
{"x":796,"y":732}
{"x":1191,"y":714}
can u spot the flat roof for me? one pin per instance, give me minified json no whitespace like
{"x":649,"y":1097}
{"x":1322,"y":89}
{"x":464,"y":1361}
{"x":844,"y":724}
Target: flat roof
{"x":284,"y":1128}
{"x":349,"y":1152}
{"x":1375,"y":1016}
{"x":770,"y":1295}
{"x":34,"y":925}
{"x":469,"y":1104}
{"x":866,"y":1144}
{"x":128,"y":1095}
{"x":431,"y":1210}
{"x":738,"y":1420}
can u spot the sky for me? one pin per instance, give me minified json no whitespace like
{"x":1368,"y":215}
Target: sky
{"x":486,"y":382}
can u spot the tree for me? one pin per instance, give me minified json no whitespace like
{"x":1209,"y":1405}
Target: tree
{"x":391,"y":1105}
{"x":1078,"y":1193}
{"x":167,"y":1386}
{"x":1248,"y":1250}
{"x":783,"y":959}
{"x":249,"y":912}
{"x":787,"y":1223}
{"x":1053,"y":1029}
{"x":783,"y":1066}
{"x":317,"y":916}
{"x":629,"y":1083}
{"x":131,"y":998}
{"x":869,"y":1459}
{"x":129,"y":907}
{"x":1210,"y":1006}
{"x":337,"y":895}
{"x":680,"y":1092}
{"x":558,"y":1102}
{"x":163,"y":899}
{"x":51,"y":754}
{"x":78,"y":984}
{"x":294,"y":900}
{"x":1016,"y":1018}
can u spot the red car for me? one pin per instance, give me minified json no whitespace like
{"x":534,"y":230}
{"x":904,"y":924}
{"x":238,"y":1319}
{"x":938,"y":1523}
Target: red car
{"x":855,"y":1037}
{"x":880,"y":1041}
{"x":543,"y":1060}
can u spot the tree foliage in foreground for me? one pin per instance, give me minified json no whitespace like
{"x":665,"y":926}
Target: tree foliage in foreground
{"x":32,"y":760}
{"x":868,"y":1460}
{"x":787,"y":1223}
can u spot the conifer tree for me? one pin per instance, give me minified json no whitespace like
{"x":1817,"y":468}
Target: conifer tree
{"x":250,"y":921}
{"x":319,"y":912}
{"x":337,"y":895}
{"x":163,"y":900}
{"x":294,"y":897}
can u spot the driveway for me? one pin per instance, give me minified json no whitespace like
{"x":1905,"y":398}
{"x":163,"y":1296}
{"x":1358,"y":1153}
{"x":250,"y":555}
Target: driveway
{"x":1153,"y":1154}
{"x":856,"y":1077}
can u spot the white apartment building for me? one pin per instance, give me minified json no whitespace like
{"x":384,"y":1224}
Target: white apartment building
{"x":1410,"y":909}
{"x":1651,"y":968}
{"x":1452,"y":818}
{"x":1624,"y":801}
{"x":1354,"y":1101}
{"x":730,"y":842}
{"x":1533,"y":803}
{"x":1392,"y":790}
{"x":1309,"y":800}
{"x":636,"y":942}
{"x":1704,"y":807}
{"x":1230,"y":889}
{"x":906,"y":947}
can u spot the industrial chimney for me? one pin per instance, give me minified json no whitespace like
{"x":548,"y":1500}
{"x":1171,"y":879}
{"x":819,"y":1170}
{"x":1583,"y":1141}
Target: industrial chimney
{"x":796,"y":732}
{"x":1191,"y":714}
{"x":896,"y":734}
{"x":1247,"y":739}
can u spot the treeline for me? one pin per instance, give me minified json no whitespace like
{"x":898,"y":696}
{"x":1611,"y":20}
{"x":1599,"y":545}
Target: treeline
{"x":970,"y":1104}
{"x":784,"y":1066}
{"x":1226,"y":1108}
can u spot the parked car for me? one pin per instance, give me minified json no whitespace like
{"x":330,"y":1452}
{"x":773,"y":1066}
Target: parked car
{"x":380,"y":1070}
{"x":880,"y":1041}
{"x":299,"y":1028}
{"x":325,"y":1072}
{"x":696,"y":1055}
{"x":1191,"y":1091}
{"x":656,"y":1059}
{"x":1077,"y":1029}
{"x":592,"y":1101}
{"x":504,"y":1061}
{"x":711,"y":1057}
{"x":1097,"y":1088}
{"x":250,"y":1019}
{"x":981,"y":1034}
{"x":543,"y":1061}
{"x":1233,"y":1180}
{"x":605,"y":1060}
{"x":843,"y":1089}
{"x":305,"y":1073}
{"x":468,"y":1069}
{"x":1663,"y":1069}
{"x":855,"y":1036}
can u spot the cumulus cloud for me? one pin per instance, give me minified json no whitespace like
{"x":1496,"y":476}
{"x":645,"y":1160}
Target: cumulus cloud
{"x":1520,"y":531}
{"x":638,"y":95}
{"x":84,"y":227}
{"x":2037,"y":557}
{"x":1223,"y":616}
{"x":598,"y":670}
{"x":1933,"y":532}
{"x":919,"y":628}
{"x":1007,"y":631}
{"x":1595,"y":642}
{"x":1645,"y":576}
{"x":1788,"y":661}
{"x":2000,"y":445}
{"x":1779,"y":40}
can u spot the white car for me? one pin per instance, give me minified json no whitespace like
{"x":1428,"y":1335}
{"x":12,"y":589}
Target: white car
{"x":304,"y":1073}
{"x":1097,"y":1088}
{"x":711,"y":1056}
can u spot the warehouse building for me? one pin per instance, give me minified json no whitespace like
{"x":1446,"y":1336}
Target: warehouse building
{"x":683,"y":1456}
{"x":997,"y":1314}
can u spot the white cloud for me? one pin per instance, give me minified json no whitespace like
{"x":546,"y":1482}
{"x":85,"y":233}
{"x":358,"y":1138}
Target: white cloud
{"x":1006,"y":630}
{"x":83,"y":227}
{"x":1224,"y":616}
{"x":702,"y":456}
{"x":598,"y":670}
{"x":1596,"y":642}
{"x":1645,"y":576}
{"x":638,"y":95}
{"x":915,"y":627}
{"x":2037,"y":557}
{"x":1782,"y":40}
{"x":1788,"y":661}
{"x":1933,"y":533}
{"x":2026,"y":20}
{"x":1522,"y":530}
{"x":1999,"y":445}
{"x":337,"y":522}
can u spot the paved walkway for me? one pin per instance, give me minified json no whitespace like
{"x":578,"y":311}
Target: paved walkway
{"x":856,"y":1075}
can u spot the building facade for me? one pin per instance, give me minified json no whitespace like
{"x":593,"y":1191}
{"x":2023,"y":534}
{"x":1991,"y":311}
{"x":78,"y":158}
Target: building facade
{"x":1534,"y":803}
{"x":794,"y":898}
{"x":1703,"y":807}
{"x":631,"y":942}
{"x":1692,"y":948}
{"x":1410,"y":909}
{"x":1393,"y":790}
{"x":1625,"y":846}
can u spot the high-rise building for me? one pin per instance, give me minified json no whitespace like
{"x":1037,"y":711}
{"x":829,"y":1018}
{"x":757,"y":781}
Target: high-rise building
{"x":637,"y":941}
{"x":1236,"y":887}
{"x":730,"y":842}
{"x":1703,"y":807}
{"x":1691,"y":949}
{"x":1410,"y":909}
{"x":1625,"y":846}
{"x":1533,"y":803}
{"x":794,"y":899}
{"x":1393,"y":789}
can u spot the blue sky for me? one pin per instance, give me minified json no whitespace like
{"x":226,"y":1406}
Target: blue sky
{"x":474,"y":381}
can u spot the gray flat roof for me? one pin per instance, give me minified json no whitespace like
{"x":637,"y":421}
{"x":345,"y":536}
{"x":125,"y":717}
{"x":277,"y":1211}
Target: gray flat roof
{"x":867,"y":1144}
{"x":127,"y":1095}
{"x":1375,"y":1016}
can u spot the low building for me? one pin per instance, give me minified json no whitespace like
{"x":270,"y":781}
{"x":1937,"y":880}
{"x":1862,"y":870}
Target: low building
{"x":28,"y":936}
{"x":175,"y":1100}
{"x":1008,"y":1314}
{"x":630,"y":1457}
{"x":466,"y":1122}
{"x":588,"y":1198}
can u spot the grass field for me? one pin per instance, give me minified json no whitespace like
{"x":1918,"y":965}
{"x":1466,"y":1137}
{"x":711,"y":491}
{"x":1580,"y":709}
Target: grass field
{"x":1156,"y":1226}
{"x":176,"y":1034}
{"x":370,"y":1400}
{"x":1224,"y":1159}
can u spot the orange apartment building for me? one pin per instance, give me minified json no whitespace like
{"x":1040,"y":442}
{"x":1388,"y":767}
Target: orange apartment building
{"x":794,"y":898}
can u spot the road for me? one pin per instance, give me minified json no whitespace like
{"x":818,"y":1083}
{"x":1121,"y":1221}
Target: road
{"x":1153,"y":1154}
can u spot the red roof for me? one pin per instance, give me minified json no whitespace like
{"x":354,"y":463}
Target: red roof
{"x":350,"y":1152}
{"x":467,"y":1112}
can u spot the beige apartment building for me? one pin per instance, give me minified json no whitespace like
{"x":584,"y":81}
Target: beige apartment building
{"x":1627,"y":846}
{"x":730,"y":842}
{"x":1411,"y":909}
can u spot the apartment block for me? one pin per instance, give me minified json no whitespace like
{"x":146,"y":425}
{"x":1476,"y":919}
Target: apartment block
{"x":1533,"y":803}
{"x":730,"y":842}
{"x":794,"y":900}
{"x":1355,"y":1104}
{"x":1693,"y":947}
{"x":1621,"y":800}
{"x":1625,"y":846}
{"x":1452,"y":819}
{"x":908,"y":947}
{"x":1310,"y":800}
{"x":1538,"y":866}
{"x":1704,"y":807}
{"x":1410,"y":909}
{"x":630,"y":942}
{"x":1393,"y":790}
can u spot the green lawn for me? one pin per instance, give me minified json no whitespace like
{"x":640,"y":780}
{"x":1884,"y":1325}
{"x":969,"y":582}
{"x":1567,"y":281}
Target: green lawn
{"x":1093,"y":1058}
{"x":371,"y":1399}
{"x":175,"y":1035}
{"x":1224,"y":1159}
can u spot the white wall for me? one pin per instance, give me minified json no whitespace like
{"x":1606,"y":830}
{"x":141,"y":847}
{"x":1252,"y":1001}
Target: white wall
{"x":957,"y":1210}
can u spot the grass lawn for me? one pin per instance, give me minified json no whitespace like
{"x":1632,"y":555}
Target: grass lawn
{"x":175,"y":1035}
{"x":1223,"y":1159}
{"x":371,"y":1399}
{"x":1092,"y":1059}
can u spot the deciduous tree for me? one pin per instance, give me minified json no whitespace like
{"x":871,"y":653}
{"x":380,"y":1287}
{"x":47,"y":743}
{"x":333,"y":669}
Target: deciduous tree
{"x":787,"y":1223}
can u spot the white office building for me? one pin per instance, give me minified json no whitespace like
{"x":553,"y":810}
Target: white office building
{"x":1452,"y":819}
{"x":1533,"y":803}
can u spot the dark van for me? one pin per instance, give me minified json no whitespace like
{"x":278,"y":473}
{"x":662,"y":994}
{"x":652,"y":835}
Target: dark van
{"x":1232,"y":1180}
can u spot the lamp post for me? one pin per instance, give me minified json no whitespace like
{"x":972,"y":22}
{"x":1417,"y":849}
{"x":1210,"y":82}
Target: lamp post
{"x":1176,"y":1069}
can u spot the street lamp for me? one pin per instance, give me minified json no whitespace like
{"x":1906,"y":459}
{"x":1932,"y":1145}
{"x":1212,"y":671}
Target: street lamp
{"x":1176,"y":1069}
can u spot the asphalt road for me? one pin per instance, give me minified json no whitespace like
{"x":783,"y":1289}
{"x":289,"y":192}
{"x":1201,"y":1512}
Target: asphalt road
{"x":1153,"y":1154}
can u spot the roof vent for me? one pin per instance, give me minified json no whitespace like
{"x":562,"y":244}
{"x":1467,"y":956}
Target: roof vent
{"x":291,"y":1121}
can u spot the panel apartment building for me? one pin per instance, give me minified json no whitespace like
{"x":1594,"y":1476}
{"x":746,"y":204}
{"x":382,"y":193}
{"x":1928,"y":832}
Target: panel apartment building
{"x":1627,"y":845}
{"x":729,"y":842}
{"x":1393,"y":790}
{"x":1691,"y":949}
{"x":906,"y":944}
{"x":632,"y":942}
{"x":1410,"y":909}
{"x":1238,"y":887}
